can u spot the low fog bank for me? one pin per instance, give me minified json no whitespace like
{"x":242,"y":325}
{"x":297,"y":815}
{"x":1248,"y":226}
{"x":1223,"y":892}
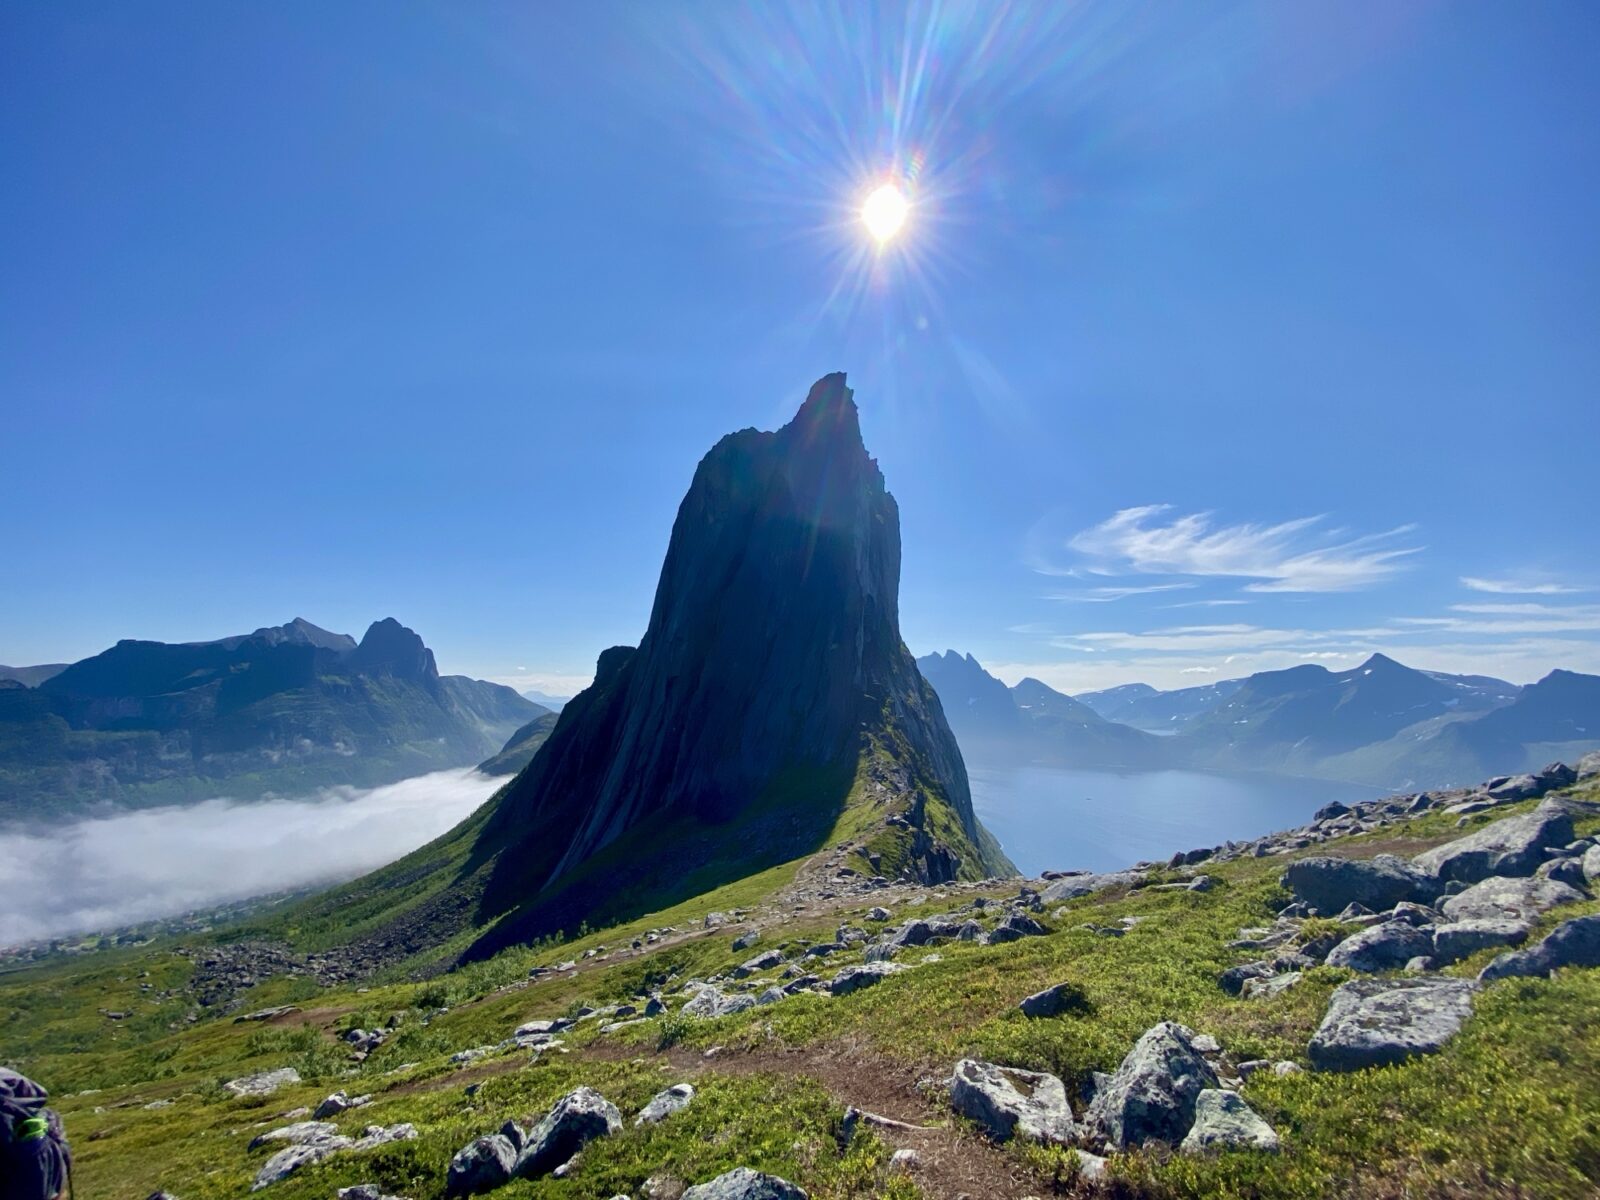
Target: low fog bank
{"x":112,"y":871}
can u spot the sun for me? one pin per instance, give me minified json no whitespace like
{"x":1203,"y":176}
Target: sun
{"x":884,"y":212}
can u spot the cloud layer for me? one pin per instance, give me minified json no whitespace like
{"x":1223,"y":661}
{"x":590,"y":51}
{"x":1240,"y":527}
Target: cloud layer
{"x":112,"y":871}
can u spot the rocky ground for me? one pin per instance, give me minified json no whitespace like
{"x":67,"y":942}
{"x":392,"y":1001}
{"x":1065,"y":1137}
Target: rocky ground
{"x":1299,"y":1015}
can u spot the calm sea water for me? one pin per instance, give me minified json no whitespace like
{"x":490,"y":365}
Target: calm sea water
{"x":1056,"y":818}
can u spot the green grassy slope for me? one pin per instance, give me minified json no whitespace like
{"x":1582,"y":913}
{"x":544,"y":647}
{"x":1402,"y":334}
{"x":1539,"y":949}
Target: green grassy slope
{"x":1511,"y":1107}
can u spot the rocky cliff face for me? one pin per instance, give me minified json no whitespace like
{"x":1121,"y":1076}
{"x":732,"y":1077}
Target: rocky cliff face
{"x":773,"y":647}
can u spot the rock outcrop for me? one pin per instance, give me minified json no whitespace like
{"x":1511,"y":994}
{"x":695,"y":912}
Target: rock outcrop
{"x":1379,"y":1022}
{"x":771,"y":673}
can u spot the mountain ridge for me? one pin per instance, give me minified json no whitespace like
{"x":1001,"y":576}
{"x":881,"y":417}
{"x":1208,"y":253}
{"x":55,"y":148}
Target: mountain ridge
{"x":286,"y":708}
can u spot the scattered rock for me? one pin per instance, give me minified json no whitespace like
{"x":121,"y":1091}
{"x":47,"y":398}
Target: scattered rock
{"x":1152,"y":1094}
{"x":337,"y":1103}
{"x":1053,"y":1001}
{"x":1073,"y":886}
{"x":1223,"y":1121}
{"x":482,"y":1165}
{"x":853,"y":979}
{"x":1574,"y":943}
{"x":1263,"y":989}
{"x":576,"y":1120}
{"x":263,"y":1083}
{"x":1377,"y":1022}
{"x":1498,"y":898}
{"x":1461,"y":939}
{"x":1329,"y":884}
{"x":300,"y":1131}
{"x":1382,"y":948}
{"x":742,"y":1183}
{"x":664,"y":1103}
{"x":1011,"y":1103}
{"x":905,"y":1160}
{"x":1017,"y":925}
{"x":712,"y":1002}
{"x":764,"y":961}
{"x":1513,"y":846}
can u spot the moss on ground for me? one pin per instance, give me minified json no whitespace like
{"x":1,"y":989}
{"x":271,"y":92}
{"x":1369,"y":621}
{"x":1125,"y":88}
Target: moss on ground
{"x":1510,"y":1107}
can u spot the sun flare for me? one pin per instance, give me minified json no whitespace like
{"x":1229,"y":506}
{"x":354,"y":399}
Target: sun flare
{"x":884,"y":212}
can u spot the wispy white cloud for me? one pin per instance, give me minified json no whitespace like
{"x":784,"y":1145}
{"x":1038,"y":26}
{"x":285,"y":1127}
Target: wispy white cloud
{"x":1198,"y":671}
{"x":1514,"y":587}
{"x":1205,"y":603}
{"x":1100,"y":595}
{"x":1298,"y":555}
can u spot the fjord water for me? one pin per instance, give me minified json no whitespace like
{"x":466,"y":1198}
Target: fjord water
{"x":1057,"y":818}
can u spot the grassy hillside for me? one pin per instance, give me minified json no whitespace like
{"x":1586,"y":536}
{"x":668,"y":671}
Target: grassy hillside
{"x":1511,"y":1107}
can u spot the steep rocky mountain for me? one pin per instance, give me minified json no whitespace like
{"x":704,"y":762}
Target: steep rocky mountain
{"x":1143,"y":707}
{"x":1030,"y":722}
{"x":521,"y":746}
{"x":979,"y":707}
{"x":769,"y":711}
{"x":282,"y":709}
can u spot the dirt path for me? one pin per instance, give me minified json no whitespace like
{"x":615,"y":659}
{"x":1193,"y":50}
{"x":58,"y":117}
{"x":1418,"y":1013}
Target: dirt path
{"x":953,"y":1162}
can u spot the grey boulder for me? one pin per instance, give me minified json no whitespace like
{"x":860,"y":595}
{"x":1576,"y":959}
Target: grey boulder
{"x":712,"y":1002}
{"x":576,"y":1120}
{"x":482,"y":1165}
{"x":664,"y":1103}
{"x":1498,"y":898}
{"x":263,"y":1083}
{"x":742,"y":1183}
{"x":1223,"y":1121}
{"x":1071,"y":887}
{"x":1052,"y":1002}
{"x":1462,"y":939}
{"x":1010,"y":1103}
{"x":1329,"y":884}
{"x":853,"y":979}
{"x":1151,"y":1096}
{"x":1512,"y":846}
{"x":1383,"y":947}
{"x":1574,"y":943}
{"x":1378,"y":1022}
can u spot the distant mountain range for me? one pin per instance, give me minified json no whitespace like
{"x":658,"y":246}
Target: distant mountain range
{"x":545,"y":700}
{"x":284,"y":709}
{"x":1382,"y":723}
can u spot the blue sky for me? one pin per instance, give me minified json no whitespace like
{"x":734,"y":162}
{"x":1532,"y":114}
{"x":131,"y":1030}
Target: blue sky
{"x":1219,"y":337}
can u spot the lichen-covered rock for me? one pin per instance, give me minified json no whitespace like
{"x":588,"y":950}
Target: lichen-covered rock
{"x":1011,"y":1103}
{"x":1329,"y":884}
{"x":482,"y":1165}
{"x":576,"y":1120}
{"x":1070,"y":887}
{"x":713,"y":1002}
{"x":1379,"y":1022}
{"x":853,"y":979}
{"x":1383,"y":947}
{"x":742,"y":1183}
{"x":1498,"y":898}
{"x":664,"y":1103}
{"x":1052,"y":1001}
{"x":1513,"y":846}
{"x":1223,"y":1121}
{"x":1574,"y":943}
{"x":1461,"y":939}
{"x":262,"y":1083}
{"x":1151,"y":1096}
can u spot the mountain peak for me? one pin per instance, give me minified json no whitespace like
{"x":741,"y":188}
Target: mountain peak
{"x":389,"y":648}
{"x":772,"y":670}
{"x":828,"y":414}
